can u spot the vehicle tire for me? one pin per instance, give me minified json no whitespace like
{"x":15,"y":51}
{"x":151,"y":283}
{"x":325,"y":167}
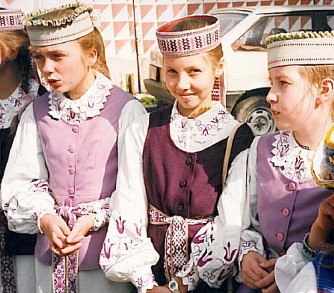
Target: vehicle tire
{"x":255,"y":111}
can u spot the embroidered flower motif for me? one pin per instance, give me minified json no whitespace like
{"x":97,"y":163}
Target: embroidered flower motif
{"x":16,"y":103}
{"x":290,"y":157}
{"x":88,"y":106}
{"x":202,"y":128}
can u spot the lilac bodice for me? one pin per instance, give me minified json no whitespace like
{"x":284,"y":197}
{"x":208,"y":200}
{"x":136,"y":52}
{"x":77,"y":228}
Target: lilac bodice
{"x":82,"y":164}
{"x":286,"y":208}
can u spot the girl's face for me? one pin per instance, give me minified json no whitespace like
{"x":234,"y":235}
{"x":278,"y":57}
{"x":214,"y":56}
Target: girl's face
{"x":66,"y":67}
{"x":190,"y":80}
{"x":292,"y":99}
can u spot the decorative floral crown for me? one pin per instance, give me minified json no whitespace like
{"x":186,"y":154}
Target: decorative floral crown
{"x":11,"y":20}
{"x":45,"y":32}
{"x":189,"y":42}
{"x":301,"y":48}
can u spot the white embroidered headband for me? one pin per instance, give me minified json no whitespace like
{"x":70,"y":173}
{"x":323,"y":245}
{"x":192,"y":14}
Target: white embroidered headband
{"x":188,"y":42}
{"x":50,"y":32}
{"x":11,"y":20}
{"x":300,"y":48}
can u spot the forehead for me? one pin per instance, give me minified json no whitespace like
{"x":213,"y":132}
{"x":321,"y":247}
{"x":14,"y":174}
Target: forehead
{"x":69,"y":47}
{"x":187,"y":61}
{"x":287,"y":70}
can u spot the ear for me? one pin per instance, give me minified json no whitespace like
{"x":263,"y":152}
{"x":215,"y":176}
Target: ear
{"x":327,"y":89}
{"x":92,"y":57}
{"x":219,"y":68}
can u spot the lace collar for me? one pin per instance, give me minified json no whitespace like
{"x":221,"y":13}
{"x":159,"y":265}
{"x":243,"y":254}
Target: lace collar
{"x":16,"y":103}
{"x":200,"y":130}
{"x":293,"y":160}
{"x":88,"y":106}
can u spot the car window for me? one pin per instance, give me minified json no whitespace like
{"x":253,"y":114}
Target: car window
{"x":254,"y":38}
{"x":330,"y":21}
{"x":229,"y":20}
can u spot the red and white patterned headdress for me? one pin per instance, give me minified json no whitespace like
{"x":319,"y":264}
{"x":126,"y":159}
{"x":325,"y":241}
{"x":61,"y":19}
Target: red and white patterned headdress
{"x":45,"y":32}
{"x":189,"y":41}
{"x":11,"y":20}
{"x":300,"y":48}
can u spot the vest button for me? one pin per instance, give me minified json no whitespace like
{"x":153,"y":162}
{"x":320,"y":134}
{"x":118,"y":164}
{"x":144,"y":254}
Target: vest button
{"x":280,"y":236}
{"x":71,"y":170}
{"x":292,"y":186}
{"x":189,"y":161}
{"x":286,"y":212}
{"x":71,"y":149}
{"x":71,"y":190}
{"x":75,"y":129}
{"x":183,"y":183}
{"x":180,"y":208}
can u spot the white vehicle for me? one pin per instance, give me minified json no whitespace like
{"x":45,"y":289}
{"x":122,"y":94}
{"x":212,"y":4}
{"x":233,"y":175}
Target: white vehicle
{"x":246,"y":79}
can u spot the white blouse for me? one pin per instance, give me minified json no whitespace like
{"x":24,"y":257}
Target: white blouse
{"x":128,"y":253}
{"x":25,"y":195}
{"x":16,"y":103}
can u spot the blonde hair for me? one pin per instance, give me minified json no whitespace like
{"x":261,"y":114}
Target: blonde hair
{"x":315,"y":74}
{"x":88,"y":42}
{"x":14,"y":46}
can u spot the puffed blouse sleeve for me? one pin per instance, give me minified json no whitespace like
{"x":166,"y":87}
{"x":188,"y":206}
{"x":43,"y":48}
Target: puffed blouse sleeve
{"x":128,"y":253}
{"x":251,"y":238}
{"x":294,"y":272}
{"x":25,"y":190}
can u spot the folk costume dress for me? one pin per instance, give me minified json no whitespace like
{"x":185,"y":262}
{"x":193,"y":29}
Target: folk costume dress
{"x":284,"y":199}
{"x":66,"y":158}
{"x":164,"y":219}
{"x":16,"y":250}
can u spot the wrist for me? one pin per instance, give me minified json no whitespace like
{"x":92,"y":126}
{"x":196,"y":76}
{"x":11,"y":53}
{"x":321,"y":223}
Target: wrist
{"x":308,"y":250}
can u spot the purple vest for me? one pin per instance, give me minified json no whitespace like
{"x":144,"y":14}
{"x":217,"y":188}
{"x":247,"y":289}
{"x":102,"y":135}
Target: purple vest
{"x":82,"y":164}
{"x":182,"y":183}
{"x":286,"y":208}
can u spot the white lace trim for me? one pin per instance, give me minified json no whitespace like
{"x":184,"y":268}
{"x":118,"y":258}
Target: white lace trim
{"x":88,"y":106}
{"x":200,"y":129}
{"x":16,"y":103}
{"x":290,"y":157}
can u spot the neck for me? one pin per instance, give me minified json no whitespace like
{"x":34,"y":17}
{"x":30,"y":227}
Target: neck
{"x":311,"y":137}
{"x":85,"y":84}
{"x":9,"y":79}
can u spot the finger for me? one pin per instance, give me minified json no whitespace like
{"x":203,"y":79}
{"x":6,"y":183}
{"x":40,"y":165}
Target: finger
{"x":70,"y":248}
{"x":76,"y":235}
{"x":271,"y":289}
{"x":267,"y":281}
{"x":58,"y":241}
{"x":269,"y":264}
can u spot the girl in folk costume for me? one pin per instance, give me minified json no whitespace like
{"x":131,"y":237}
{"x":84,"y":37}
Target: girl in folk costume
{"x":163,"y":236}
{"x":17,"y":89}
{"x":284,"y":197}
{"x":63,"y":164}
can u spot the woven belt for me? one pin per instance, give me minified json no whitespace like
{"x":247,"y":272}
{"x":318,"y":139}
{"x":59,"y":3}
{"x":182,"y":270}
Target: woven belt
{"x":6,"y":262}
{"x":176,"y":238}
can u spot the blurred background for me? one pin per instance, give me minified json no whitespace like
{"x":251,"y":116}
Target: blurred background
{"x":128,"y":28}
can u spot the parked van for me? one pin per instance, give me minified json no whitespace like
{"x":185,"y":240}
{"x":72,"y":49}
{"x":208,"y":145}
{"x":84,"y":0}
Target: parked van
{"x":246,"y":79}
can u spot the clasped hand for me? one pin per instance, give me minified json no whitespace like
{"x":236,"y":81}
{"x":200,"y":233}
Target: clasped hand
{"x":64,"y":240}
{"x":258,"y":272}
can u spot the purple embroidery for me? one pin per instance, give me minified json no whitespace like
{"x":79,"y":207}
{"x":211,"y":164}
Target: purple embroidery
{"x":120,"y":225}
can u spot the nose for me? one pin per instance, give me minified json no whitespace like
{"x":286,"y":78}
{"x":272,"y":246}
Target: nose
{"x":271,"y":97}
{"x":183,"y":82}
{"x":46,"y":66}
